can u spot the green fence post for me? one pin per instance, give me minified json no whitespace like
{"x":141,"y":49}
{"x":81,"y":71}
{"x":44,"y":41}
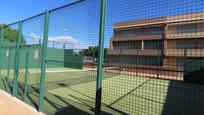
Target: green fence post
{"x":8,"y":68}
{"x":15,"y":87}
{"x":26,"y":73}
{"x":1,"y":52}
{"x":43,"y":62}
{"x":100,"y":58}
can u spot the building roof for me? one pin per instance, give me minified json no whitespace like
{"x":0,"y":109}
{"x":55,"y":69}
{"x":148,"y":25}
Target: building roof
{"x":184,"y":18}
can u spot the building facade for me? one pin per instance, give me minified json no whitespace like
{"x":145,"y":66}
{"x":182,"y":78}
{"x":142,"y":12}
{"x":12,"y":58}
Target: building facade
{"x":162,"y":42}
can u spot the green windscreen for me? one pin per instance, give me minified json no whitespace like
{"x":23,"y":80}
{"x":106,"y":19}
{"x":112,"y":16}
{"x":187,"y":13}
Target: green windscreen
{"x":117,"y":57}
{"x":9,"y":44}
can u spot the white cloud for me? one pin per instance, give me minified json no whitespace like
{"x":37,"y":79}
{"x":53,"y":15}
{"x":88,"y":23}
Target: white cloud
{"x":65,"y":39}
{"x":35,"y":36}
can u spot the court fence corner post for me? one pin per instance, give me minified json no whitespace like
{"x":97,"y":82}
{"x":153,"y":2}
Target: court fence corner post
{"x":43,"y":61}
{"x":16,"y":70}
{"x":1,"y":43}
{"x":100,"y":58}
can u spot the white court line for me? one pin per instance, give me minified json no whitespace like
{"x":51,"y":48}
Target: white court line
{"x":70,"y":70}
{"x":54,"y":71}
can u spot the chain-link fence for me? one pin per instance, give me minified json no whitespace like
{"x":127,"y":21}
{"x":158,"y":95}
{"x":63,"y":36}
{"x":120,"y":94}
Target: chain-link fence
{"x":108,"y":57}
{"x":156,"y":47}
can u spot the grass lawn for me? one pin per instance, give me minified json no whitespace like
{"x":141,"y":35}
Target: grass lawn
{"x":73,"y":91}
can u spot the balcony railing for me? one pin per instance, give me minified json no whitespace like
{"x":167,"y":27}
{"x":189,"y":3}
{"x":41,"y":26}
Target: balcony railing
{"x":185,"y":35}
{"x":140,"y":37}
{"x":146,"y":52}
{"x":152,"y":52}
{"x":180,"y":52}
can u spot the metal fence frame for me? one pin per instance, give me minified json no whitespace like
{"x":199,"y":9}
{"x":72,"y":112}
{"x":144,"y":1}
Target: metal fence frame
{"x":100,"y":62}
{"x":43,"y":60}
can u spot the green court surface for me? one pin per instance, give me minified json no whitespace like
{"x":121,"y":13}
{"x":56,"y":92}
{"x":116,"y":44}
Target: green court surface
{"x":73,"y":91}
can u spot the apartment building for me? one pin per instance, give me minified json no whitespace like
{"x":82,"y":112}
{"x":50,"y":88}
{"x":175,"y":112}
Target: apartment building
{"x":161,"y":41}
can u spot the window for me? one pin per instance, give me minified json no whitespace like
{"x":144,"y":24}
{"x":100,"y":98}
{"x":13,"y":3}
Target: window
{"x":148,"y":60}
{"x":140,"y":60}
{"x":189,"y":44}
{"x":117,"y":33}
{"x":129,"y":33}
{"x":128,"y":45}
{"x":153,"y":44}
{"x":186,"y":28}
{"x":153,"y":31}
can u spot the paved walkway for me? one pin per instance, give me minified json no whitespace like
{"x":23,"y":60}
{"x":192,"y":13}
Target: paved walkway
{"x":12,"y":106}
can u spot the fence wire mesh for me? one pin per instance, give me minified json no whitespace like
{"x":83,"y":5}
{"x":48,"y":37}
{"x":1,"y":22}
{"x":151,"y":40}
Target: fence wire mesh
{"x":8,"y":55}
{"x":70,"y":82}
{"x":153,"y":58}
{"x":30,"y":56}
{"x":156,"y":47}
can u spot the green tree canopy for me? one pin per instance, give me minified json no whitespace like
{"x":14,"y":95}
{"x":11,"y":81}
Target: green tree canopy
{"x":93,"y":52}
{"x":10,"y":34}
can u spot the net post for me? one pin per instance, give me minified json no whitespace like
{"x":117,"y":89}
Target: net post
{"x":15,"y":87}
{"x":43,"y":62}
{"x":1,"y":52}
{"x":100,"y":58}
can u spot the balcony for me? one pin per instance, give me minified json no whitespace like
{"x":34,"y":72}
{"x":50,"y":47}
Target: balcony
{"x":180,"y":52}
{"x":185,"y":35}
{"x":146,"y":52}
{"x":140,"y":37}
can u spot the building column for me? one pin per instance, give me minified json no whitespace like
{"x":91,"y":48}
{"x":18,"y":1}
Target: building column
{"x":164,"y":47}
{"x":165,"y":36}
{"x":142,"y":44}
{"x":111,"y":45}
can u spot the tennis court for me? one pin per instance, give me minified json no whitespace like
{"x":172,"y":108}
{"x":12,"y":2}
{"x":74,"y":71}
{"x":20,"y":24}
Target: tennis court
{"x":108,"y":57}
{"x":67,"y":88}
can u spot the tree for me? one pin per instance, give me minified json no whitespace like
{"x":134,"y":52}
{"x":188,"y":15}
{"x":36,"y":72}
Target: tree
{"x":11,"y":35}
{"x":93,"y":52}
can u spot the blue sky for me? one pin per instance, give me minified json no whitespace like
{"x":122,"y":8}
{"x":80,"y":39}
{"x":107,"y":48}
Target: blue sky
{"x":80,"y":23}
{"x":14,"y":10}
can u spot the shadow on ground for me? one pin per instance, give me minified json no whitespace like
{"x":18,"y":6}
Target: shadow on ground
{"x":70,"y":110}
{"x":184,"y":99}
